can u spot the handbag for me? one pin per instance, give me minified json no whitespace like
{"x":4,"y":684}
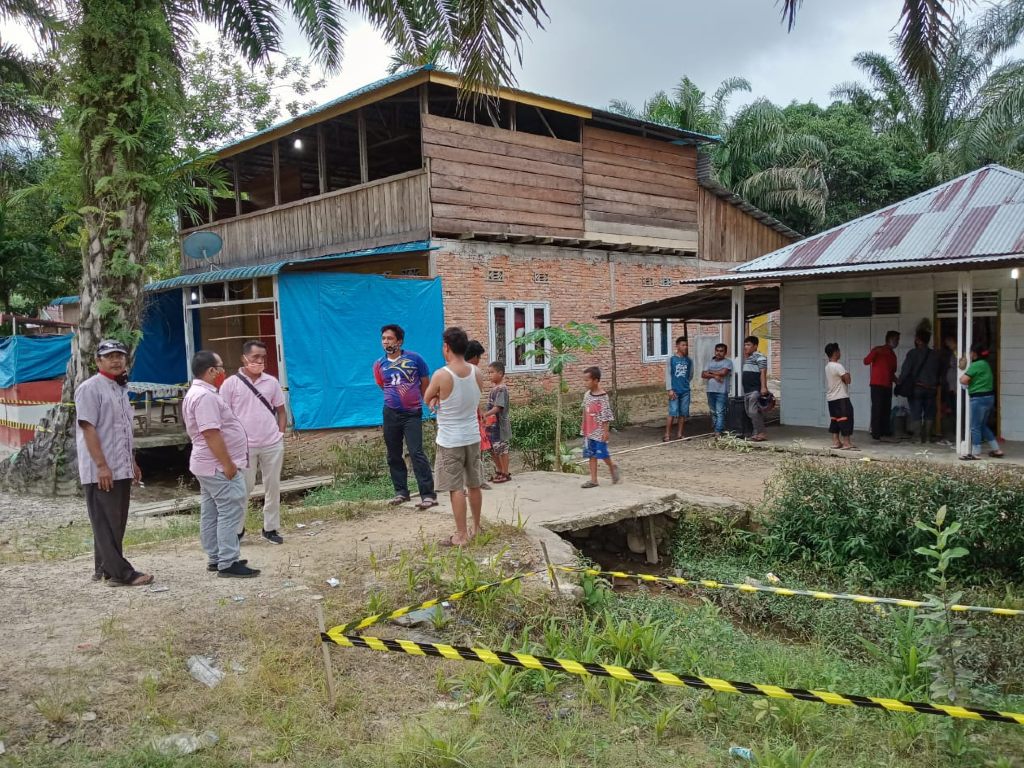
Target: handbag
{"x":905,"y":387}
{"x":256,"y":392}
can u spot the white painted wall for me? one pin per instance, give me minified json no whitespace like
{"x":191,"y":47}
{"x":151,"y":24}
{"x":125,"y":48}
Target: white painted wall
{"x":804,"y":336}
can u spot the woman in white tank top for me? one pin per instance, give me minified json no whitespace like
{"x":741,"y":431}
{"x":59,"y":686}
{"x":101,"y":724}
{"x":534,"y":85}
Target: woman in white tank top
{"x":457,"y":423}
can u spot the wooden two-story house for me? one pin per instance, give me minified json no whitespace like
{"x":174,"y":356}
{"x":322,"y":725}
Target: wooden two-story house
{"x":398,"y":203}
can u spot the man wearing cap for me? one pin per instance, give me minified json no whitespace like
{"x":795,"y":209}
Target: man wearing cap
{"x":220,"y":456}
{"x":106,"y":462}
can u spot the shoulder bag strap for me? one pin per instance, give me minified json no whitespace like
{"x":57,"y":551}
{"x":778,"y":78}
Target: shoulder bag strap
{"x":256,"y":392}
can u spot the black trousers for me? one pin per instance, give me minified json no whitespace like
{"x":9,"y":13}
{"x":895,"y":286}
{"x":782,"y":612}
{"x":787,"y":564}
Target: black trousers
{"x":881,"y":411}
{"x":405,"y":427}
{"x":108,"y":515}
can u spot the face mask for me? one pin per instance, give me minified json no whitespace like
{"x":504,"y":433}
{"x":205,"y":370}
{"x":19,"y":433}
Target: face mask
{"x":219,"y":379}
{"x":255,"y":367}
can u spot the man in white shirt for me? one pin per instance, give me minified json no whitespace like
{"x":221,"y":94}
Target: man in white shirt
{"x":837,"y":393}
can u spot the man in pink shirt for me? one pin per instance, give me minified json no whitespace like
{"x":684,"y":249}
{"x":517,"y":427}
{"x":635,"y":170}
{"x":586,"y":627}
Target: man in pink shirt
{"x":257,"y":399}
{"x":219,"y":457}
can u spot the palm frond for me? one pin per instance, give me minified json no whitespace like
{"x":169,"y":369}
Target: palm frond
{"x":322,"y":24}
{"x":789,"y":9}
{"x":927,"y":28}
{"x":253,"y":27}
{"x":788,"y":190}
{"x":624,"y":108}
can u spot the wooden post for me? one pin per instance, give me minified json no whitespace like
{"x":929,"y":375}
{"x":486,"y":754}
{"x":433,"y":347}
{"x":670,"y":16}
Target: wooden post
{"x":332,"y":696}
{"x":276,"y":153}
{"x":615,"y":368}
{"x":321,"y":158}
{"x":364,"y":165}
{"x":235,"y":181}
{"x":650,"y":541}
{"x":551,"y":570}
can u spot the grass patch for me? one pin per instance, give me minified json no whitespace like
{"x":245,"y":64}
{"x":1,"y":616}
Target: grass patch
{"x":353,"y":489}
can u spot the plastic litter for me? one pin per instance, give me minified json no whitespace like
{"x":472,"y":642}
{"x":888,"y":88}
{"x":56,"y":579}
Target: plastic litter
{"x":87,"y":717}
{"x":333,"y":582}
{"x":184,"y":743}
{"x":422,"y":616}
{"x":238,"y":598}
{"x":203,"y":670}
{"x":300,"y":525}
{"x":743,"y":753}
{"x":2,"y":748}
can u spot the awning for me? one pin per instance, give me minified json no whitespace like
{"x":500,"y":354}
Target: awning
{"x":262,"y":270}
{"x":701,"y":305}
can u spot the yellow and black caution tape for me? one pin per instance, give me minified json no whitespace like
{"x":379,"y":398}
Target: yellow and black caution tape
{"x":786,"y":592}
{"x":35,"y":402}
{"x":369,"y":621}
{"x":661,"y":677}
{"x":20,"y":425}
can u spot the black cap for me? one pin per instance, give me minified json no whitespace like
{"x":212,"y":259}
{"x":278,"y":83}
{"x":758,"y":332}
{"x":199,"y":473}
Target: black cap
{"x":107,"y":346}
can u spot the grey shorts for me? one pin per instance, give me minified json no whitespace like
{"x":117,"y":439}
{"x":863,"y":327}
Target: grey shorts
{"x":457,"y":468}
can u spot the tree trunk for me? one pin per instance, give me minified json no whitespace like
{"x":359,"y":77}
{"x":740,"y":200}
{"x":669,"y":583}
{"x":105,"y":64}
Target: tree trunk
{"x":116,"y":127}
{"x":558,"y":425}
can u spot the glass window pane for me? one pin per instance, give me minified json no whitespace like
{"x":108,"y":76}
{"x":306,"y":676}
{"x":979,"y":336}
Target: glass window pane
{"x":649,"y":338}
{"x":663,"y":328}
{"x":519,"y":320}
{"x":538,"y":322}
{"x":500,"y":335}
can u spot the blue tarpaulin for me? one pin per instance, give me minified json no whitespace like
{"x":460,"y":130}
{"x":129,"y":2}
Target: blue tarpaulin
{"x":330,"y":322}
{"x":33,"y":358}
{"x":160,"y":358}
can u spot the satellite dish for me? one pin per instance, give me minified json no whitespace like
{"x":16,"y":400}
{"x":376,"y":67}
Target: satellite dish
{"x":202,"y":246}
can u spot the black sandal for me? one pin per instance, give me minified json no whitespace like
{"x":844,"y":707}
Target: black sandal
{"x":969,"y":457}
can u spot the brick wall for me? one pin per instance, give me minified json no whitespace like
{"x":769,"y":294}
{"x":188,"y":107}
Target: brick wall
{"x":579,"y":284}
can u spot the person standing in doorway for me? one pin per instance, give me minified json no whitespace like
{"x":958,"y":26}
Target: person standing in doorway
{"x":754,"y":377}
{"x":837,"y":393}
{"x":981,"y":387}
{"x":882,"y":360}
{"x":678,"y":374}
{"x":257,"y":399}
{"x":106,"y":462}
{"x":220,"y":455}
{"x":455,"y":391}
{"x":919,"y":382}
{"x":717,"y":376}
{"x":404,"y":376}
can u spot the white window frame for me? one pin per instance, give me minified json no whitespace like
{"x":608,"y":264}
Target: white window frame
{"x":510,"y":306}
{"x":663,"y":329}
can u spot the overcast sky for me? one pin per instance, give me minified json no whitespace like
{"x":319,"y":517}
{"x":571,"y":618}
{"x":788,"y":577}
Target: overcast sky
{"x":592,"y":51}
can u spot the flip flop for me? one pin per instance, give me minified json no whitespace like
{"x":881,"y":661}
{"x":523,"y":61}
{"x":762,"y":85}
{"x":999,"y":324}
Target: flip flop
{"x":996,"y":454}
{"x":449,"y":542}
{"x":969,"y":457}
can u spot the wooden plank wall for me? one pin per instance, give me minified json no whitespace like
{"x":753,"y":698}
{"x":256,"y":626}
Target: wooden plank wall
{"x":729,"y":234}
{"x":493,"y":180}
{"x":378,"y":213}
{"x":638,"y":190}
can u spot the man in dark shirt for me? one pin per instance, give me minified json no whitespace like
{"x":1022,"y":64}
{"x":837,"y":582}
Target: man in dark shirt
{"x":404,"y":376}
{"x":919,"y":379}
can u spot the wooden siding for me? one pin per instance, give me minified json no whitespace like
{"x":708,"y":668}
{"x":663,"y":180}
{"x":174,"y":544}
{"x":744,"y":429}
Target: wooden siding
{"x":639,"y":190}
{"x":383,"y":212}
{"x":493,"y":180}
{"x":729,"y":234}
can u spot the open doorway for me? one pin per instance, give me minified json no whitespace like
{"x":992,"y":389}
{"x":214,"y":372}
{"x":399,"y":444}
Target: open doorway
{"x":985,"y":331}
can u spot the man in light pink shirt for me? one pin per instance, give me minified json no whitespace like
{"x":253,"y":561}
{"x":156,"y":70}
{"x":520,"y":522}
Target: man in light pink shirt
{"x":257,"y":399}
{"x":219,"y":458}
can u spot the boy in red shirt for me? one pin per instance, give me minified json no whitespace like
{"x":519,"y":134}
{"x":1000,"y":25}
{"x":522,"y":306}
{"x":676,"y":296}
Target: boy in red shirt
{"x":597,"y":420}
{"x":882,"y":360}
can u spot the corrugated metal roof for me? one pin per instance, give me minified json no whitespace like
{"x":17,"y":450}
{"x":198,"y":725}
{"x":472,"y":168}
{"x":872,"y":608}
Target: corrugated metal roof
{"x":688,"y":136}
{"x":979,"y":214}
{"x":912,"y":265}
{"x":262,"y":270}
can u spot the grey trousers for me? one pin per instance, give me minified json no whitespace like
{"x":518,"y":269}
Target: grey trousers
{"x":756,"y":417}
{"x":221,"y":510}
{"x":108,"y":515}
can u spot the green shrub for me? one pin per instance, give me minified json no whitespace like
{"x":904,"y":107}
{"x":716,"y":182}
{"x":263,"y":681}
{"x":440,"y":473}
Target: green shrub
{"x":861,"y":517}
{"x":360,"y":461}
{"x":533,"y":431}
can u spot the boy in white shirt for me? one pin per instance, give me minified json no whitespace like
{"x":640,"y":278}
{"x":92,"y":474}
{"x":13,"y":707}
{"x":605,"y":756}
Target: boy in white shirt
{"x":837,"y":393}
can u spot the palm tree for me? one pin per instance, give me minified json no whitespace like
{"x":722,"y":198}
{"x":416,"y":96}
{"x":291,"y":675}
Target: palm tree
{"x":968,"y":112}
{"x":927,"y":28}
{"x":121,"y":61}
{"x":757,"y":158}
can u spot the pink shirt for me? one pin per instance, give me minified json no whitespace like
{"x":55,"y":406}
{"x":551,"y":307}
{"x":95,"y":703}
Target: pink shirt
{"x":260,"y":424}
{"x":203,"y":408}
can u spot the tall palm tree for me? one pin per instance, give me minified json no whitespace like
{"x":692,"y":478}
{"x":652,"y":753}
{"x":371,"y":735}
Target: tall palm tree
{"x":927,"y":27}
{"x":758,"y":158}
{"x":121,"y":63}
{"x":968,"y":112}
